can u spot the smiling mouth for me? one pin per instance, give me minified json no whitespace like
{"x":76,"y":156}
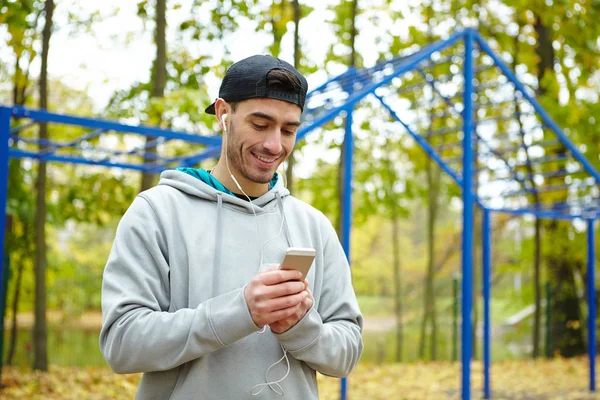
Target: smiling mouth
{"x":265,"y":160}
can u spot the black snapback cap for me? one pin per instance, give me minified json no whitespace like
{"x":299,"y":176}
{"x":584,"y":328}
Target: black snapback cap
{"x":247,"y":79}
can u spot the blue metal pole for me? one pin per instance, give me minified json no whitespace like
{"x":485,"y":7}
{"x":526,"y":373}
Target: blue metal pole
{"x":591,"y":292}
{"x":347,"y":208}
{"x":467,"y":234}
{"x":4,"y":136}
{"x":487,"y":282}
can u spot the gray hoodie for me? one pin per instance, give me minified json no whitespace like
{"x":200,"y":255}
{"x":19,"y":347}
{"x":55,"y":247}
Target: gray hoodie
{"x":173,"y":304}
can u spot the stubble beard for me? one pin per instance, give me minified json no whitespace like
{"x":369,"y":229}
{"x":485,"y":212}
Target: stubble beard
{"x":236,"y":159}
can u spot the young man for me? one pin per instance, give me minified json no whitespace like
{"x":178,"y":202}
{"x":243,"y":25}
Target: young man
{"x":190,"y":296}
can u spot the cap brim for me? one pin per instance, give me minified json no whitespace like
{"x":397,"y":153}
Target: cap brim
{"x":211,"y":109}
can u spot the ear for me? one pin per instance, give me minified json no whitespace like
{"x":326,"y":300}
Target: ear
{"x":222,"y":111}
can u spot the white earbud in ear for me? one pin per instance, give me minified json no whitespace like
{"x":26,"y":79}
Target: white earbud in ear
{"x":224,"y":121}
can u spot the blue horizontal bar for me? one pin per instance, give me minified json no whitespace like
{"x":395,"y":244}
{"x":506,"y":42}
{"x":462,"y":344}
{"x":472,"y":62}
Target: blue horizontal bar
{"x":503,"y":118}
{"x":35,"y":141}
{"x":443,"y":131}
{"x":565,"y":205}
{"x":209,"y":152}
{"x":20,"y":128}
{"x":511,"y":135}
{"x":447,"y":146}
{"x":499,"y":156}
{"x":324,"y":85}
{"x":549,"y":174}
{"x":445,"y":78}
{"x":542,"y":189}
{"x":74,"y":142}
{"x":544,"y":144}
{"x":534,"y":161}
{"x":540,"y":214}
{"x":15,"y":153}
{"x":495,"y":84}
{"x":44,"y":116}
{"x":410,"y":88}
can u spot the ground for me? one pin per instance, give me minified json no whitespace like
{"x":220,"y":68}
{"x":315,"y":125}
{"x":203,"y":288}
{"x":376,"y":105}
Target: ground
{"x":543,"y":379}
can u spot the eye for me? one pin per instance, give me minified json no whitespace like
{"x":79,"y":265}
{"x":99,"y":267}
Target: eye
{"x":259,"y":126}
{"x":289,"y":132}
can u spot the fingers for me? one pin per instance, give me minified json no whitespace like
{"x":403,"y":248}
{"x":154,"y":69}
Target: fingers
{"x":285,"y":302}
{"x":285,"y":314}
{"x":282,"y":289}
{"x":284,"y":324}
{"x":275,"y":276}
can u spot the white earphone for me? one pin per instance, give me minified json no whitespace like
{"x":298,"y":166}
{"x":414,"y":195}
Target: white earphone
{"x":224,"y":121}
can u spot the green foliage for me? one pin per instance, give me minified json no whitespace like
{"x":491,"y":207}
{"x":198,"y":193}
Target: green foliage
{"x":390,"y":170}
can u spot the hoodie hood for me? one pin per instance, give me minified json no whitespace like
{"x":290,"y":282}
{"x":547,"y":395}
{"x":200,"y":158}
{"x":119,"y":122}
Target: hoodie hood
{"x":201,"y":184}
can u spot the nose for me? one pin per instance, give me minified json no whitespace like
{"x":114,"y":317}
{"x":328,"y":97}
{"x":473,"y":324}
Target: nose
{"x":272,"y":142}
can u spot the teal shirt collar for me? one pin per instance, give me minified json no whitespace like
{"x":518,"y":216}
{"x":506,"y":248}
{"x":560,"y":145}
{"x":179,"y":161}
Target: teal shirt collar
{"x":211,"y":181}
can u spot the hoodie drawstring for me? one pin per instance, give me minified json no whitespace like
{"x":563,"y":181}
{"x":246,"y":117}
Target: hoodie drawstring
{"x":218,"y":237}
{"x":288,"y":237}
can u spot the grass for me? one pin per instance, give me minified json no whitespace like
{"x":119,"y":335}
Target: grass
{"x":523,"y":379}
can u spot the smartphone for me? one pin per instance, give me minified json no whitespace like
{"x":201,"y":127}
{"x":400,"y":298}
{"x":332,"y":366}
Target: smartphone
{"x":298,"y":258}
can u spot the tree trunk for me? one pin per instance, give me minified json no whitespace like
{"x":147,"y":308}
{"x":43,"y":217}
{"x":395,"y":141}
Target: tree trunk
{"x":158,"y":87}
{"x":15,"y":310}
{"x":352,"y":63}
{"x":545,"y":53}
{"x":433,"y":185}
{"x":537,"y":317}
{"x":289,"y":172}
{"x":566,"y":319}
{"x":537,"y":290}
{"x":566,"y":325}
{"x":40,"y":329}
{"x":429,"y":314}
{"x":397,"y":282}
{"x":396,"y":255}
{"x":353,"y":33}
{"x":20,"y":84}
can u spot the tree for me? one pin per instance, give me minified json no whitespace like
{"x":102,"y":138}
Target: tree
{"x":21,"y":20}
{"x":40,"y":330}
{"x":289,"y":171}
{"x":159,"y":77}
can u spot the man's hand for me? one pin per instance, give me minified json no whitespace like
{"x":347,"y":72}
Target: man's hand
{"x":286,"y":323}
{"x":275,"y":295}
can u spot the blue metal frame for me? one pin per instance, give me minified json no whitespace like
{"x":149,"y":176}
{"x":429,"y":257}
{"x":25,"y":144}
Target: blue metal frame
{"x":467,"y":233}
{"x":356,"y":85}
{"x":347,"y":208}
{"x":591,"y":300}
{"x":541,"y":112}
{"x":4,"y":160}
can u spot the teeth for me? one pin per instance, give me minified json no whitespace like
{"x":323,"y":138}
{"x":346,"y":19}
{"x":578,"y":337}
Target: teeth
{"x":264,"y":159}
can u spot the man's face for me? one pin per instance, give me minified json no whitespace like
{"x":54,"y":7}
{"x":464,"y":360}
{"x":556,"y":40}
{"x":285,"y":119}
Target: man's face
{"x":261,"y":134}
